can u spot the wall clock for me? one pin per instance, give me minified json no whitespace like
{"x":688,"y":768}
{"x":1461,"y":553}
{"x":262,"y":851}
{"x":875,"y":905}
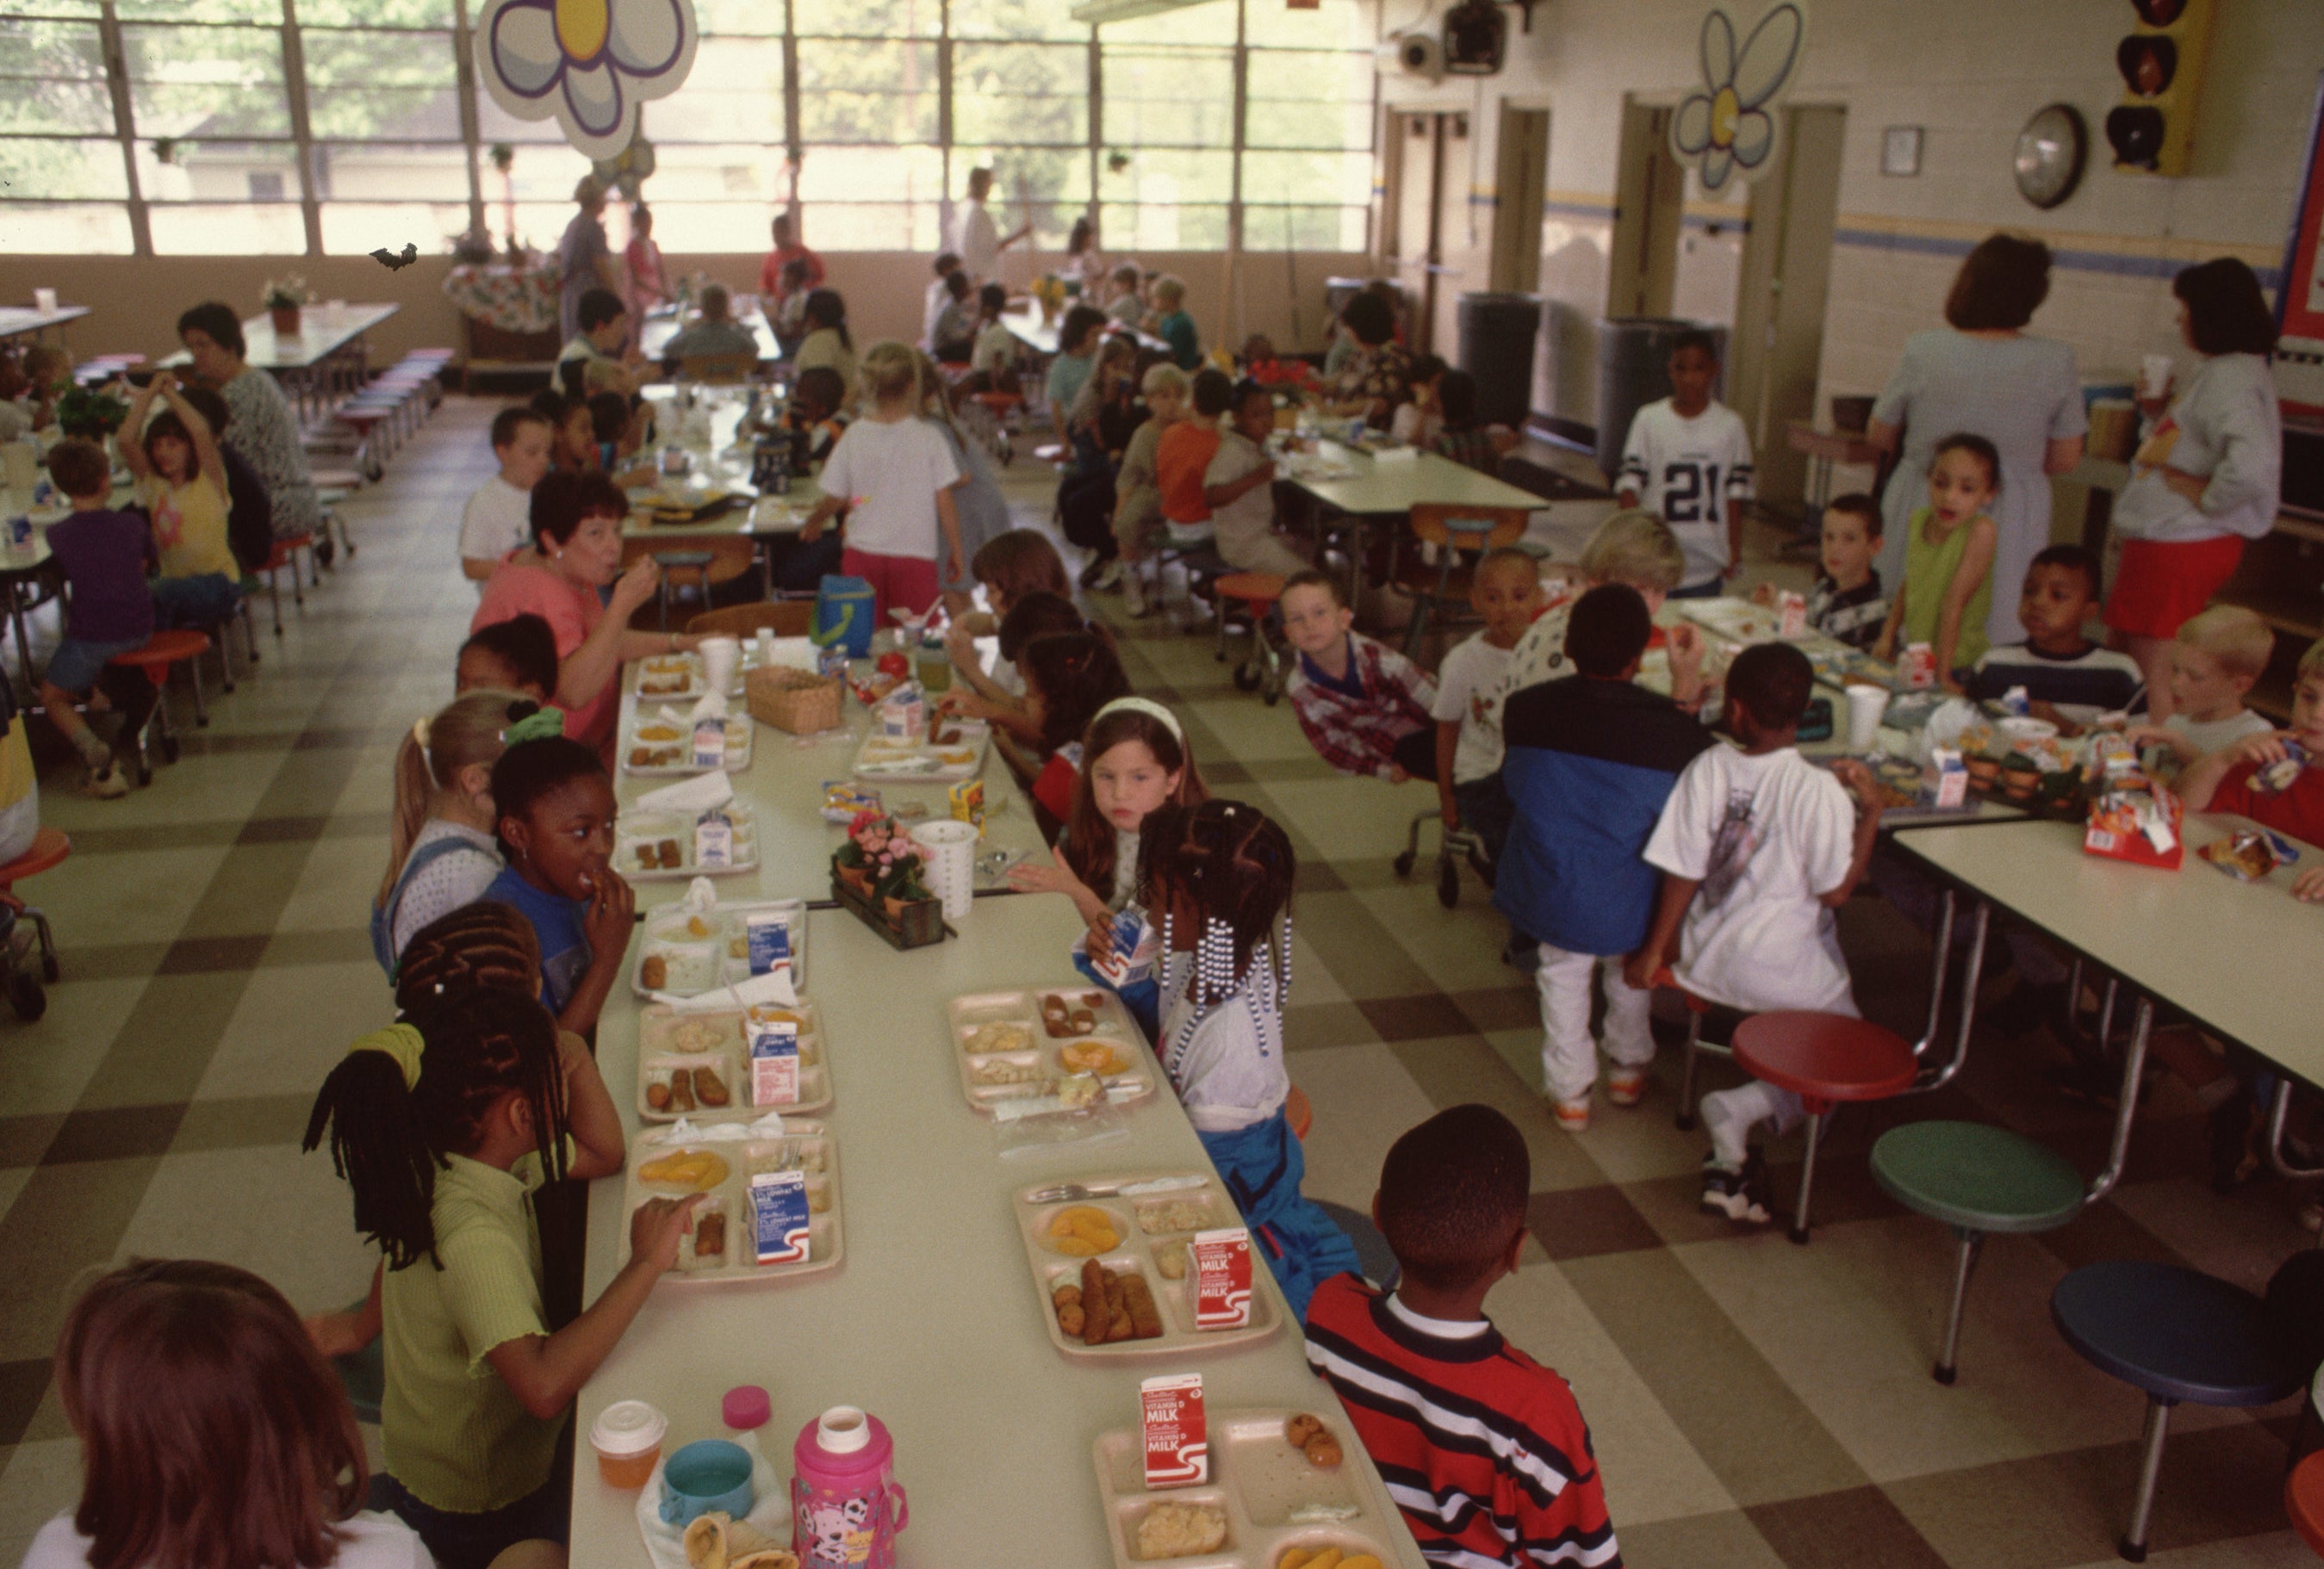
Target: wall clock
{"x":2050,"y":153}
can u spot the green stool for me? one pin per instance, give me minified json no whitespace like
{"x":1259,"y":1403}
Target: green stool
{"x":1979,"y":1180}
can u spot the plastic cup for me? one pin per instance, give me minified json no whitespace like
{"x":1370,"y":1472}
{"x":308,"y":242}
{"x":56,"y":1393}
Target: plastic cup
{"x":44,"y":300}
{"x":22,"y":461}
{"x":1866,"y":705}
{"x":627,"y":1436}
{"x":720,"y":657}
{"x":2153,"y":375}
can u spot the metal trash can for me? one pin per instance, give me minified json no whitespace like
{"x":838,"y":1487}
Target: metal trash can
{"x":1634,"y":370}
{"x":1497,"y":333}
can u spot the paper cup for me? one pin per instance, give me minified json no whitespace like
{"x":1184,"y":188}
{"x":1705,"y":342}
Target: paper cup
{"x":720,"y":657}
{"x":949,"y":849}
{"x":44,"y":300}
{"x":1866,"y":705}
{"x":2153,"y":375}
{"x":627,"y":1436}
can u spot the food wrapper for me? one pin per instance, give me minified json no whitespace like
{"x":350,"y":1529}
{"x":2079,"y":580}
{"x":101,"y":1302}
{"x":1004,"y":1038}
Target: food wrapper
{"x":967,"y":801}
{"x":2139,"y":825}
{"x":2250,"y":855}
{"x":2275,"y":778}
{"x":842,"y":798}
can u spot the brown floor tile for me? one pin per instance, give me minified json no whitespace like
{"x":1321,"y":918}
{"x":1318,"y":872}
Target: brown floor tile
{"x":1308,"y":1026}
{"x":1425,"y":1017}
{"x":114,"y":1133}
{"x":22,"y":1385}
{"x":281,"y":830}
{"x":1583,"y":1223}
{"x":25,"y":1140}
{"x":209,"y":955}
{"x":1858,"y":1528}
{"x":242,"y":1122}
{"x":109,"y":960}
{"x":1727,"y":1540}
{"x":325,"y":945}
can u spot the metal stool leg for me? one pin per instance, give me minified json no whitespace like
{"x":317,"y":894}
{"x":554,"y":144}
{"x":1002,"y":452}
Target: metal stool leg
{"x":1686,"y":1072}
{"x":1799,"y":1232}
{"x":2132,"y":1546}
{"x":1972,"y":1243}
{"x":201,"y":708}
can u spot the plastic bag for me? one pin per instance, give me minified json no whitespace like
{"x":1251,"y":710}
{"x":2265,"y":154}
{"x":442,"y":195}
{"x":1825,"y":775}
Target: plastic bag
{"x":1031,"y":1124}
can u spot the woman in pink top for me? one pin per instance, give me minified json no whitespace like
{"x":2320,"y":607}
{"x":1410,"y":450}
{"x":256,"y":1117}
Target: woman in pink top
{"x":577,"y":549}
{"x":648,"y":284}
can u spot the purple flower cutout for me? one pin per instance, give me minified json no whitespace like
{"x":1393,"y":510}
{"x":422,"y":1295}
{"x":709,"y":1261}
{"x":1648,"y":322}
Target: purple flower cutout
{"x":589,"y":63}
{"x":1725,"y":129}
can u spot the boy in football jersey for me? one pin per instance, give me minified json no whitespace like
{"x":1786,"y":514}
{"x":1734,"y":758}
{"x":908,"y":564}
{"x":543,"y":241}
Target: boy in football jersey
{"x":1688,"y":460}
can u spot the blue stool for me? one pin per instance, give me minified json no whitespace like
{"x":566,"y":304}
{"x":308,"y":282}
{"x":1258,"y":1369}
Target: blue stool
{"x":2177,"y":1335}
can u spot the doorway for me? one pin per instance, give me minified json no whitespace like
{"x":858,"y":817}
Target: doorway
{"x":1520,"y":182}
{"x":1414,"y":209}
{"x":1649,"y":197}
{"x":1776,"y":351}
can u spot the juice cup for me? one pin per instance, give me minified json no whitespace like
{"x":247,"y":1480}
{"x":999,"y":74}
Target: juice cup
{"x":627,"y":1436}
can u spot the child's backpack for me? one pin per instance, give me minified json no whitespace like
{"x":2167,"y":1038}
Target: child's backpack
{"x":844,"y":611}
{"x":383,"y":919}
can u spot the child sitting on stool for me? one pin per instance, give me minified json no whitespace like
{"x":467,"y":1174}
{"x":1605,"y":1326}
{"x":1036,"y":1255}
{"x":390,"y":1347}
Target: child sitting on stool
{"x":1364,"y":707}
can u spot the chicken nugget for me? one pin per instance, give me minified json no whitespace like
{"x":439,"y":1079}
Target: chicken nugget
{"x":1071,"y":1320}
{"x":710,"y":1235}
{"x":1324,"y":1450}
{"x":1301,"y":1428}
{"x":681,"y":1091}
{"x":654,"y":973}
{"x":708,"y":1087}
{"x":1144,"y":1318}
{"x":658,"y":1095}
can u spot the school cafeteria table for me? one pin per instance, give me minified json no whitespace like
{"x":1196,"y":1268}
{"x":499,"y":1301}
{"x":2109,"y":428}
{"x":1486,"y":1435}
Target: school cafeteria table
{"x":718,"y":462}
{"x":661,"y":326}
{"x":304,"y":360}
{"x":21,"y":566}
{"x":1360,"y":486}
{"x":17,"y":321}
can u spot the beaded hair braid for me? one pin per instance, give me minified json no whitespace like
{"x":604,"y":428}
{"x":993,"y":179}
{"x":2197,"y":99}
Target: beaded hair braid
{"x":1235,"y":866}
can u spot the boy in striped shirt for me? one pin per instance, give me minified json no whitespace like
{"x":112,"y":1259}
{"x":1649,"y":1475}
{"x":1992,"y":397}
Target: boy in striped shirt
{"x":1482,"y":1448}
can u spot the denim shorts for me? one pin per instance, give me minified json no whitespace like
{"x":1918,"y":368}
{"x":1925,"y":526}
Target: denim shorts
{"x":195,"y":602}
{"x":77,"y":664}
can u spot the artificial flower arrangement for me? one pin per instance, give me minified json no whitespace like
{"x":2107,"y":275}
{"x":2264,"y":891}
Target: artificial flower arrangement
{"x":880,"y":875}
{"x":91,"y":412}
{"x":283,"y":298}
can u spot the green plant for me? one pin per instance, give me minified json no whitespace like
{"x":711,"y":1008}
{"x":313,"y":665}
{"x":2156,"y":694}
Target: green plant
{"x":91,"y":412}
{"x":286,"y":293}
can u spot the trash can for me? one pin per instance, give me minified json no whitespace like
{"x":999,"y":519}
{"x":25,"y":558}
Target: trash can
{"x":1634,"y":370}
{"x":1497,"y":331}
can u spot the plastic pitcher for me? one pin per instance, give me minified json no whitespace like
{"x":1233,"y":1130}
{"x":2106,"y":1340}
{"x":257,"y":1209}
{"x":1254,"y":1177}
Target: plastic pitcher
{"x":846,"y":1505}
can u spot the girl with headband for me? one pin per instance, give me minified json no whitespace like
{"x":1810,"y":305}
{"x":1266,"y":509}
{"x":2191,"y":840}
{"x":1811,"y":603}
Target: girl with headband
{"x":441,"y":853}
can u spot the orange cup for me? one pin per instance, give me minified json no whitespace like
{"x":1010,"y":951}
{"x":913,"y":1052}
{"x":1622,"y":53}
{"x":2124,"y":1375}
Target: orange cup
{"x":627,"y":1436}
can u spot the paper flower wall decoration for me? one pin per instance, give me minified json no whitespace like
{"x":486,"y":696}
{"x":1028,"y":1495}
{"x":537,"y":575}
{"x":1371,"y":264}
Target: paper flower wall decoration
{"x":1726,"y":129}
{"x":589,"y":63}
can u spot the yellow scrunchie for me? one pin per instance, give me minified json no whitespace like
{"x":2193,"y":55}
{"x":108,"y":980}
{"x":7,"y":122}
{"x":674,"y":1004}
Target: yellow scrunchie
{"x":399,"y":1041}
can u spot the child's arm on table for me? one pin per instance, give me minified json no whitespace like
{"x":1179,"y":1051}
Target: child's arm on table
{"x":1867,"y":791}
{"x":1976,"y":562}
{"x":2308,"y":888}
{"x":2203,"y":777}
{"x":824,"y":511}
{"x":1448,"y":738}
{"x":1059,"y":877}
{"x":1677,"y":893}
{"x":613,"y":911}
{"x":2177,"y":743}
{"x":1734,"y":538}
{"x":546,"y":1372}
{"x":1683,"y":645}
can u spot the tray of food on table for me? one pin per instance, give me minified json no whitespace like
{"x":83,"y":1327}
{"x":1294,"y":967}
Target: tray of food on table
{"x":1113,"y":1261}
{"x":1280,"y":1494}
{"x":1014,"y":1045}
{"x":652,"y":847}
{"x":688,"y":951}
{"x":663,"y":742}
{"x":681,"y":678}
{"x":714,"y":1065}
{"x":772,"y":1211}
{"x":947,"y":752}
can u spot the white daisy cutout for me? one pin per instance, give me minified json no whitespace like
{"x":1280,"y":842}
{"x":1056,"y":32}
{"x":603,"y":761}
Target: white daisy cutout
{"x":1726,"y":129}
{"x":587,"y":63}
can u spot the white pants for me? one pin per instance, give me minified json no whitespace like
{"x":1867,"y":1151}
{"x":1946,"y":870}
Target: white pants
{"x":1729,"y":1115}
{"x":1569,"y":1057}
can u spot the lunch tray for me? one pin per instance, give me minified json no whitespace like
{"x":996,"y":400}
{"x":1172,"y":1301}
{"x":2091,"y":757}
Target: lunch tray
{"x":989,"y":1077}
{"x":665,"y":929}
{"x":1145,"y":1252}
{"x":1258,"y":1480}
{"x":653,"y":830}
{"x":657,"y":667}
{"x":923,"y":762}
{"x":684,"y":1039}
{"x":806,"y":1143}
{"x":738,"y":747}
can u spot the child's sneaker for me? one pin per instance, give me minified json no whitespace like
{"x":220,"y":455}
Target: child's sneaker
{"x":1626,"y":1085}
{"x":1736,"y":1195}
{"x":1133,"y":593}
{"x":1572,"y":1115}
{"x":108,"y":783}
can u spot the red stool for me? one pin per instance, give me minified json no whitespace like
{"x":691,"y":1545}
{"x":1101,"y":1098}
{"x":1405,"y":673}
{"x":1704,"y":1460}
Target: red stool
{"x":1695,"y":1044}
{"x":50,"y":847}
{"x":1298,"y":1112}
{"x":164,"y":650}
{"x":286,"y":554}
{"x":2303,"y":1501}
{"x":1824,"y":1059}
{"x":1256,"y":591}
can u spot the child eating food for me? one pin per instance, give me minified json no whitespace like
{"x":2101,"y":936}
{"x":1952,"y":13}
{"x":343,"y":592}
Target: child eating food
{"x":1364,"y":707}
{"x":444,"y":1125}
{"x":556,"y":810}
{"x":1947,"y":589}
{"x":2215,"y":659}
{"x":1491,"y":1461}
{"x":517,"y":655}
{"x":2068,"y":679}
{"x":1068,"y":677}
{"x":2273,"y":778}
{"x":1220,"y":874}
{"x":441,"y":853}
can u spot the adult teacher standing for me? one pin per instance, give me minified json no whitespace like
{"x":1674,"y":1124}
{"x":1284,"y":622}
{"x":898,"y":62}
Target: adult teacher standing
{"x":584,"y":259}
{"x":976,"y":239}
{"x":2208,"y":475}
{"x":1980,"y":373}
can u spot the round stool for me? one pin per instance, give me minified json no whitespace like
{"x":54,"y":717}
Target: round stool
{"x":1257,"y":592}
{"x":672,"y":563}
{"x":1824,"y":1059}
{"x":2303,"y":1501}
{"x":49,"y":848}
{"x":1298,"y":1112}
{"x":160,"y":651}
{"x":1978,"y":1179}
{"x":2174,"y":1334}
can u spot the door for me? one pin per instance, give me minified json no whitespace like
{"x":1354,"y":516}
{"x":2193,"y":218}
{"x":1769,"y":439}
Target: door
{"x":1520,"y":182}
{"x":1462,"y":256}
{"x":1649,"y":191}
{"x":1777,"y":348}
{"x":1420,"y":165}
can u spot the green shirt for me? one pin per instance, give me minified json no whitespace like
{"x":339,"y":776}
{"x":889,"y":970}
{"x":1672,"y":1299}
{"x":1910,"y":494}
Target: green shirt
{"x":455,"y":1434}
{"x":1929,"y":569}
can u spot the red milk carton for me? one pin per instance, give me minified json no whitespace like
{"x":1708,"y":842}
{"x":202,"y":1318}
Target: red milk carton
{"x":1177,"y":1444}
{"x":1791,"y":614}
{"x":1919,"y":666}
{"x":1221,"y":1271}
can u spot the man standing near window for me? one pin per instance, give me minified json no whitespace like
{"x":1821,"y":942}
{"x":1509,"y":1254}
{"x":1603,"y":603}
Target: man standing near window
{"x":975,"y":237}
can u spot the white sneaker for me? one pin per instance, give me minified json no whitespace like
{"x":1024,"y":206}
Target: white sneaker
{"x":1133,"y":593}
{"x":1572,"y":1115}
{"x":108,"y":783}
{"x":1109,"y":576}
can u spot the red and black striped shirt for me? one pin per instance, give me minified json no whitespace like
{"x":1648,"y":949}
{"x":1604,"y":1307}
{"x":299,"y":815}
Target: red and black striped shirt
{"x":1482,"y":1448}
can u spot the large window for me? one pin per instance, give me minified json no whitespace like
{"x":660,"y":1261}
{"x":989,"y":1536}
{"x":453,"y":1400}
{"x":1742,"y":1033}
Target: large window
{"x":288,"y":126}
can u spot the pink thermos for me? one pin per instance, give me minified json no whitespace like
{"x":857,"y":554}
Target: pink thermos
{"x":846,"y":1505}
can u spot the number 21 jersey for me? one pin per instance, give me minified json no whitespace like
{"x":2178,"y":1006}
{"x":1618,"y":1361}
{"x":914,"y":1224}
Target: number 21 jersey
{"x":1685,"y":472}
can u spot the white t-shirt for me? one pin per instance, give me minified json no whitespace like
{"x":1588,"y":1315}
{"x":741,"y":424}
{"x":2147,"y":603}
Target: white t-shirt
{"x":1685,"y":472}
{"x":1470,"y":672}
{"x":368,"y":1541}
{"x":2208,"y":735}
{"x":977,"y":242}
{"x":995,"y":349}
{"x":1766,"y":837}
{"x":497,"y":519}
{"x":1414,"y":427}
{"x":1226,"y":1063}
{"x":891,"y":473}
{"x":932,"y":307}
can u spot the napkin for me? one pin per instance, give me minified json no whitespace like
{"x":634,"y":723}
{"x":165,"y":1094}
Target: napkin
{"x":709,"y":705}
{"x":770,"y":1509}
{"x":773,"y":989}
{"x":697,"y":794}
{"x":685,"y":1131}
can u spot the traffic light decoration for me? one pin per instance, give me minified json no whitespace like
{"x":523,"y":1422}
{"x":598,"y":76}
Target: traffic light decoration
{"x":2162,"y":61}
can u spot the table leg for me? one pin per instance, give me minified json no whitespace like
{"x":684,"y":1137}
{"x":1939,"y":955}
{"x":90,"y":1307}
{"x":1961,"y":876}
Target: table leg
{"x":2133,"y":1064}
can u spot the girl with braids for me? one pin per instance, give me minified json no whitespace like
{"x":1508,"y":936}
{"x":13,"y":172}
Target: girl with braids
{"x":444,"y":1125}
{"x":1220,"y":874}
{"x":211,"y":1432}
{"x":441,"y":853}
{"x":1068,"y":677}
{"x":556,"y":807}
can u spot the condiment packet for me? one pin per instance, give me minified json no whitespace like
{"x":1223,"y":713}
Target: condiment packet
{"x":1176,"y":1436}
{"x":842,"y":798}
{"x":2275,"y":778}
{"x":2250,"y":855}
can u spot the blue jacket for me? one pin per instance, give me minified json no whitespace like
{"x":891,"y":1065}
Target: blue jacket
{"x":1590,"y":764}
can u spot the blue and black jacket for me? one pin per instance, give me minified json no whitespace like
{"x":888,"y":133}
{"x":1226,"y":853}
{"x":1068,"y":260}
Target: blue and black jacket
{"x":1589,"y":765}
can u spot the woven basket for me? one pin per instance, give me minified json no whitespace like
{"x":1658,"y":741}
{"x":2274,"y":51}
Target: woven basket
{"x":793,"y":700}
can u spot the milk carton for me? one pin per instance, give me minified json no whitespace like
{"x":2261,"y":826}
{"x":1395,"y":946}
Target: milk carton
{"x":1791,"y":614}
{"x":710,"y":742}
{"x":1220,"y":1261}
{"x":1177,"y":1439}
{"x":713,"y":841}
{"x":1944,"y":782}
{"x":767,"y":939}
{"x":778,"y":1217}
{"x":774,"y":1059}
{"x":1919,"y":666}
